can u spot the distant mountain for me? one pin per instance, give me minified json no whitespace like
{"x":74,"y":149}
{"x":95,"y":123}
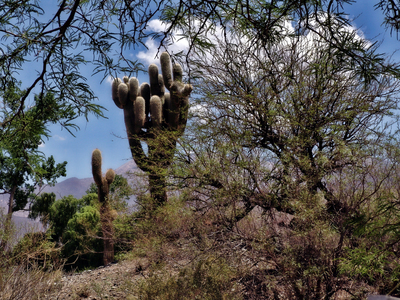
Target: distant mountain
{"x":78,"y":187}
{"x":75,"y":186}
{"x":71,"y":186}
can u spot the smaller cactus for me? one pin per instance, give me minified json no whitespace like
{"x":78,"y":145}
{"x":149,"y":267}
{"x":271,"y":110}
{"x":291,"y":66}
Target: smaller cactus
{"x":106,"y":214}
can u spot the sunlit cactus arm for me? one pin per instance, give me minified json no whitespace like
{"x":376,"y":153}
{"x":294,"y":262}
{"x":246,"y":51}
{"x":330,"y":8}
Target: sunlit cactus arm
{"x":114,"y":88}
{"x":178,"y":103}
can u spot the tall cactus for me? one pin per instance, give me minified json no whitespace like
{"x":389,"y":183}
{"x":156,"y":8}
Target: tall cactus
{"x":156,"y":117}
{"x":103,"y":188}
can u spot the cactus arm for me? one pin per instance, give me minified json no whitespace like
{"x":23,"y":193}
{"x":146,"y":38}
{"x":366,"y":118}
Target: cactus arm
{"x":178,"y":104}
{"x":129,"y":118}
{"x":156,"y":111}
{"x":140,"y":114}
{"x":133,"y":88}
{"x":123,"y":91}
{"x":161,"y":87}
{"x":165,"y":61}
{"x":138,"y":155}
{"x":166,"y":107}
{"x":110,"y":175}
{"x":96,"y":166}
{"x":183,"y":116}
{"x":114,"y":91}
{"x":153,"y":76}
{"x":145,"y":93}
{"x":177,"y":72}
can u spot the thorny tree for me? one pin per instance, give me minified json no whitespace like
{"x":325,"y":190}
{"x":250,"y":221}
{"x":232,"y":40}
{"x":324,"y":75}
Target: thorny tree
{"x":303,"y":103}
{"x":295,"y":128}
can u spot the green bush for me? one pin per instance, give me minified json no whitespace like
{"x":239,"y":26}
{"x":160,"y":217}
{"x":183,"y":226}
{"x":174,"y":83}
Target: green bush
{"x":81,"y":238}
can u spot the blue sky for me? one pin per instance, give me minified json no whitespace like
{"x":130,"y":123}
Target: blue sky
{"x":109,"y":134}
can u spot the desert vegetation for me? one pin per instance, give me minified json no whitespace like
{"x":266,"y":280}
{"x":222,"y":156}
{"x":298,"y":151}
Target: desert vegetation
{"x":271,"y":169}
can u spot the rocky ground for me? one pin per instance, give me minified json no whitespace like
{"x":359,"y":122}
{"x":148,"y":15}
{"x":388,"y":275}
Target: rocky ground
{"x":114,"y":281}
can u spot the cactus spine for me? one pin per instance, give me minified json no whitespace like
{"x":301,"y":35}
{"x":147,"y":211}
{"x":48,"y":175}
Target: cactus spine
{"x":156,"y":117}
{"x":103,"y":188}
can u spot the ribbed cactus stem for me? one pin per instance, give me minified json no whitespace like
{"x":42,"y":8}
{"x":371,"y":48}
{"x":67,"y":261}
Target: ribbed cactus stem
{"x":110,"y":175}
{"x":153,"y":76}
{"x":146,"y":94}
{"x":103,"y":184}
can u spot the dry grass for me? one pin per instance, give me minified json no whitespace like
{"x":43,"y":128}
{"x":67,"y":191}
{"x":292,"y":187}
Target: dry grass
{"x":17,"y":282}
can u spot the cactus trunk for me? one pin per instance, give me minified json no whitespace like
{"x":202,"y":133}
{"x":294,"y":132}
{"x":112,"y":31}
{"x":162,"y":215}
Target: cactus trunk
{"x":158,"y":189}
{"x":107,"y":229}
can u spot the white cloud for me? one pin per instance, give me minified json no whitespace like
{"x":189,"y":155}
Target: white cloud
{"x":149,"y":56}
{"x":157,"y":25}
{"x":109,"y":79}
{"x":179,"y":42}
{"x":58,"y":137}
{"x":308,"y":45}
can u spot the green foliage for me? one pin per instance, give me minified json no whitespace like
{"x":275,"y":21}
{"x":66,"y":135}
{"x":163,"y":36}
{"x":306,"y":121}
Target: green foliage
{"x":61,"y":211}
{"x":125,"y":227}
{"x":22,"y":165}
{"x":41,"y":206}
{"x":365,"y":262}
{"x":81,"y":238}
{"x":73,"y":227}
